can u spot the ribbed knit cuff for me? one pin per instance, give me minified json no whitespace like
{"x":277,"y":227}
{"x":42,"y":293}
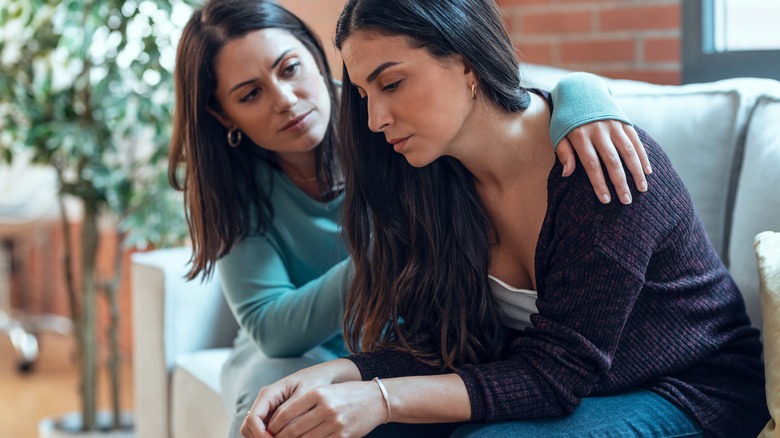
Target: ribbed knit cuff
{"x":389,"y":363}
{"x":478,"y":411}
{"x":578,"y":99}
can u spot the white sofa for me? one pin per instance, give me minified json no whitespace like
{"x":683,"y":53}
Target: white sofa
{"x":723,"y":138}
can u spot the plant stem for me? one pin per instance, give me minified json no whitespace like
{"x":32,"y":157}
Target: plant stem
{"x":67,"y":264}
{"x":111,"y":289}
{"x":89,"y":242}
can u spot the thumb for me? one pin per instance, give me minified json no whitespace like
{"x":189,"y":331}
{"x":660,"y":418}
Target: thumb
{"x":565,"y":152}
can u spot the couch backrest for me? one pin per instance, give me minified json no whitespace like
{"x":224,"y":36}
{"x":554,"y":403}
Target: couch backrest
{"x":722,"y":138}
{"x":757,"y":201}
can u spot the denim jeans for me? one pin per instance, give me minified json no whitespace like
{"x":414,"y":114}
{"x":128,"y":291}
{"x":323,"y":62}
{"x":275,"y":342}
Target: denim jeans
{"x":638,"y":413}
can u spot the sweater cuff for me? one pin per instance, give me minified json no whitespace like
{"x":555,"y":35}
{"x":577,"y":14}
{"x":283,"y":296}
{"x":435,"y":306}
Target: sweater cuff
{"x":478,"y":411}
{"x":389,"y":363}
{"x":578,"y":99}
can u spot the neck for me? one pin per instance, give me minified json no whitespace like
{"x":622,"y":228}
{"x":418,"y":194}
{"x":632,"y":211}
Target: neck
{"x":496,"y":146}
{"x":300,"y":167}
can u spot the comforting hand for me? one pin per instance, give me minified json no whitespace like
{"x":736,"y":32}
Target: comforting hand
{"x":607,"y":141}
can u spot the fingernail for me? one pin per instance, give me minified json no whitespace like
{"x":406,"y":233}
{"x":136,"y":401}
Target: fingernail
{"x":605,"y":198}
{"x":643,"y":186}
{"x":648,"y":169}
{"x":626,"y":198}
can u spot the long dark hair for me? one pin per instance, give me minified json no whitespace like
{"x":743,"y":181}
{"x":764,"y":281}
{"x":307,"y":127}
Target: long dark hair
{"x":225,"y":197}
{"x":420,"y":238}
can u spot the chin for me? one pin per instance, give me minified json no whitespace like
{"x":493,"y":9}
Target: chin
{"x":416,"y":161}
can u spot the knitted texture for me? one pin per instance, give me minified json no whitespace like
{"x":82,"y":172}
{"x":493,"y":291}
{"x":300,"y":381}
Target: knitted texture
{"x":628,"y":296}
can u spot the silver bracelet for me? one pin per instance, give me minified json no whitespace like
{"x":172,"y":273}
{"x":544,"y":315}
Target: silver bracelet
{"x":384,"y":396}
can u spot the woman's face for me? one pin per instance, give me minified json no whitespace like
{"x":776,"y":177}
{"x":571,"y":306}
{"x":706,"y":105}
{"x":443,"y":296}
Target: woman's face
{"x":419,"y":102}
{"x":270,"y":88}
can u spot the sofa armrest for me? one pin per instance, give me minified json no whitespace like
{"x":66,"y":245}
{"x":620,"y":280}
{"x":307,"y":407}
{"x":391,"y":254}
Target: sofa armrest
{"x":767,"y":245}
{"x":171,"y":316}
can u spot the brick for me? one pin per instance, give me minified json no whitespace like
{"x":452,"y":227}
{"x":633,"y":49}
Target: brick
{"x":641,"y":18}
{"x":662,"y":50}
{"x":556,"y":22}
{"x":535,"y":53}
{"x":663,"y":77}
{"x":598,"y":51}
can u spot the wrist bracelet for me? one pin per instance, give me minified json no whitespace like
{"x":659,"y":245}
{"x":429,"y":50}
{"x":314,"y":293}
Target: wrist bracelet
{"x":384,"y":396}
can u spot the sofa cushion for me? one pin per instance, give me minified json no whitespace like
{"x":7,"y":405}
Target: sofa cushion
{"x":757,"y":203}
{"x":197,"y":409}
{"x":767,"y":246}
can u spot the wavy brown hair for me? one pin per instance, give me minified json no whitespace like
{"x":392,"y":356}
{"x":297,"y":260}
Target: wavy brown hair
{"x":225,"y":197}
{"x":419,"y":238}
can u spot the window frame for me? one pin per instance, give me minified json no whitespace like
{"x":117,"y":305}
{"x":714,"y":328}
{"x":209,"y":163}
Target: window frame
{"x":701,"y":63}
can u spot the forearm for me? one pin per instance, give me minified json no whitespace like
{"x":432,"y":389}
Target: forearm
{"x":284,"y":320}
{"x":341,"y":370}
{"x":428,"y":399}
{"x":292,"y":321}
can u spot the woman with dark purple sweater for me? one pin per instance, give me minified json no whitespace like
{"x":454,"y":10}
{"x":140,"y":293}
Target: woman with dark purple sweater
{"x":482,"y":292}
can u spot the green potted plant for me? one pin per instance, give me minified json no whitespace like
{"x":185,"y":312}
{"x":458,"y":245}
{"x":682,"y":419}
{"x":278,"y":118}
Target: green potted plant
{"x":86,"y":88}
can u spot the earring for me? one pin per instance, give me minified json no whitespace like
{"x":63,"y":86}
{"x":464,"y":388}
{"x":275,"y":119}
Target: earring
{"x":234,"y":137}
{"x":474,"y":90}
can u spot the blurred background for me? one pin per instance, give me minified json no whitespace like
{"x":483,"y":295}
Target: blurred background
{"x":86,"y":103}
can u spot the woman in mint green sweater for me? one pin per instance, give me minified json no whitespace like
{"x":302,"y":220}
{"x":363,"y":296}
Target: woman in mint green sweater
{"x":253,"y":151}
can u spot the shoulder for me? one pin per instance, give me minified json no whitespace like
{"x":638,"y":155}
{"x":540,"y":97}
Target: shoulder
{"x":579,"y":219}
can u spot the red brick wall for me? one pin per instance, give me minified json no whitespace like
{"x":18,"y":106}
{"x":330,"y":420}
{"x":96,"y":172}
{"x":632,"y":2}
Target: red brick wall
{"x":38,"y":280}
{"x":629,"y":39}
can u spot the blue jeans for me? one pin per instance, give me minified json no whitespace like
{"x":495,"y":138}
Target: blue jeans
{"x":638,"y":414}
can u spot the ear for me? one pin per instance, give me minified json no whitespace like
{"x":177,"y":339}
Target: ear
{"x":226,"y":122}
{"x":467,"y":69}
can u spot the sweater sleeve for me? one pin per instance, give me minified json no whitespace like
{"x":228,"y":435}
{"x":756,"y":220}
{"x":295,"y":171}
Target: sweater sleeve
{"x":578,"y":99}
{"x":284,"y":320}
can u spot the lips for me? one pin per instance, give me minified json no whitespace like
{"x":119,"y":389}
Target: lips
{"x":295,"y":121}
{"x":394,"y":141}
{"x":399,"y":143}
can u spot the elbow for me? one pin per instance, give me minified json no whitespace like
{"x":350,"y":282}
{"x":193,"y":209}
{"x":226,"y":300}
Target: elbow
{"x":275,"y":346}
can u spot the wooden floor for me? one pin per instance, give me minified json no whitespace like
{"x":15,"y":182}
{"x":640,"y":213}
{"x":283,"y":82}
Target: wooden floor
{"x":50,"y":389}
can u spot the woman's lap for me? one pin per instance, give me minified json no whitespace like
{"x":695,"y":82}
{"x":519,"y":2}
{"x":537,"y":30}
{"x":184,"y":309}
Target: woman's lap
{"x":638,"y":413}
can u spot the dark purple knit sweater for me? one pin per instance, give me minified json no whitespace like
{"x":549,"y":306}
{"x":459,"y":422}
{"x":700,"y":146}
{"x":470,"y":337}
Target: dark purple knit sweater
{"x":628,"y":297}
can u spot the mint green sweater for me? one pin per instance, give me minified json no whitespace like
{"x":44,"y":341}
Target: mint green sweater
{"x":286,"y":288}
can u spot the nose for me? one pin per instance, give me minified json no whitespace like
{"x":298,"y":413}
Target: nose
{"x":379,"y":118}
{"x":285,"y":97}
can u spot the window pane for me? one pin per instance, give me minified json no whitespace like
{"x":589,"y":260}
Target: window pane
{"x":746,"y":25}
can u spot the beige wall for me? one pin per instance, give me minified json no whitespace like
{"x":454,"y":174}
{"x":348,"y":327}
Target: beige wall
{"x":321,"y":16}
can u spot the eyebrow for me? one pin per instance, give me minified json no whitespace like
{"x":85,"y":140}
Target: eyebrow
{"x":377,"y":71}
{"x":273,"y":66}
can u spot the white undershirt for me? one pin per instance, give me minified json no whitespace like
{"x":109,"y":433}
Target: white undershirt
{"x":516,"y":305}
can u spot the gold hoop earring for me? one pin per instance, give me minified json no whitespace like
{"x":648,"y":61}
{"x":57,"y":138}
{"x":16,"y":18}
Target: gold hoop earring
{"x":234,"y":137}
{"x":474,"y":90}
